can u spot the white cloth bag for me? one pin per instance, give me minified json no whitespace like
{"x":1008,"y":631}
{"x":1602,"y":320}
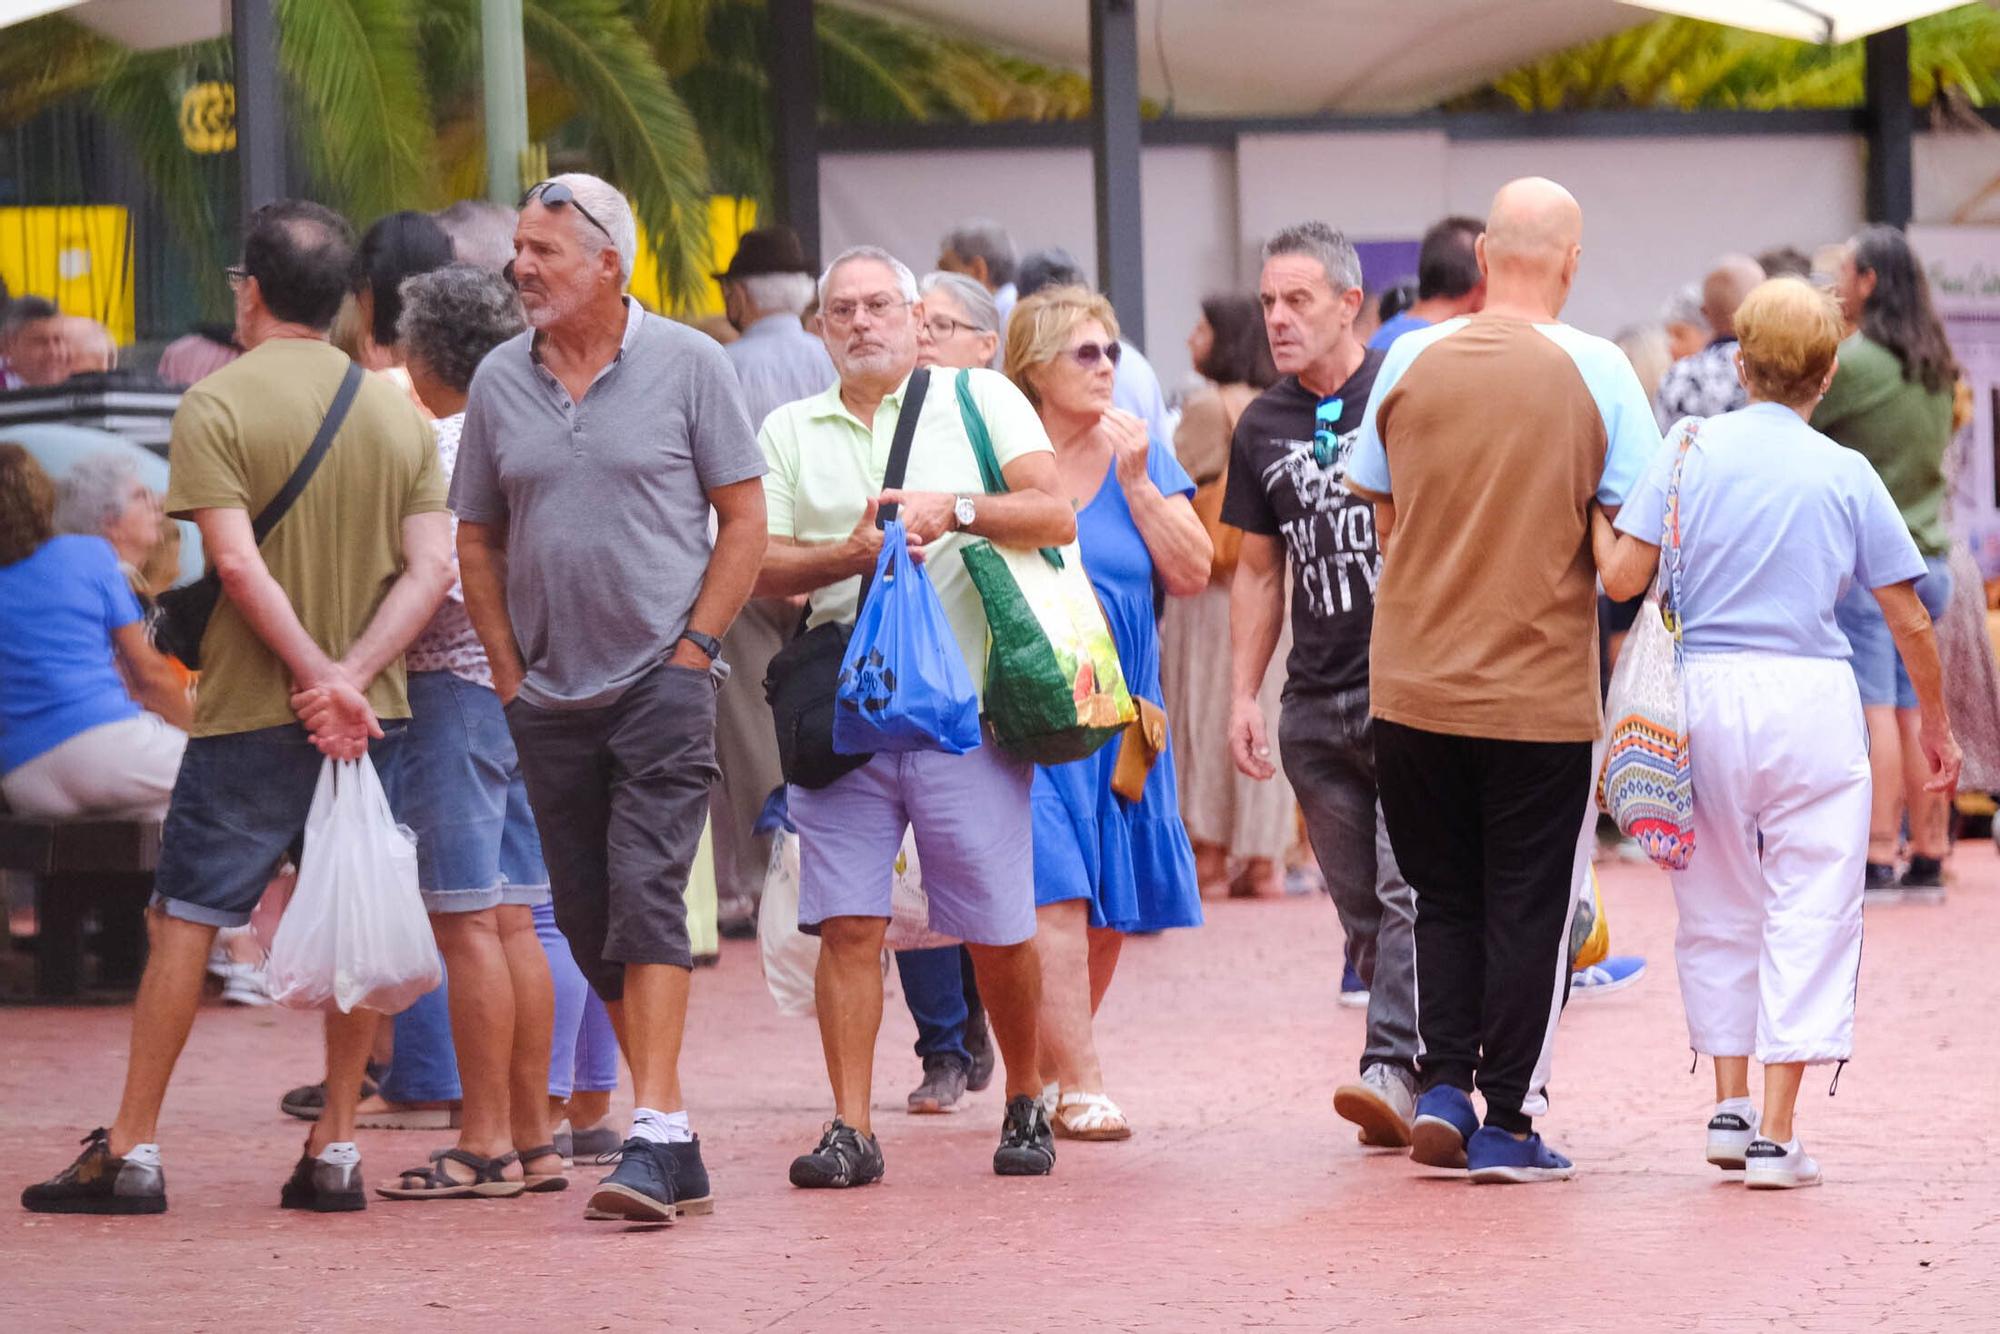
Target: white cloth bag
{"x":355,"y":935}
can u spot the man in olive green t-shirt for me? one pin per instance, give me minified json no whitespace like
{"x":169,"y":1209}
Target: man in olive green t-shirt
{"x":302,"y":658}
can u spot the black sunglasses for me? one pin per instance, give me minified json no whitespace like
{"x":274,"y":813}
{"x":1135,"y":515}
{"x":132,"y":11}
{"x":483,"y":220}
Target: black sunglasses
{"x":555,"y":194}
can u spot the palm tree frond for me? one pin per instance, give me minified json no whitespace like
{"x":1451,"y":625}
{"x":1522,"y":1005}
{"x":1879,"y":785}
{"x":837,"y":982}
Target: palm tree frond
{"x":354,"y":64}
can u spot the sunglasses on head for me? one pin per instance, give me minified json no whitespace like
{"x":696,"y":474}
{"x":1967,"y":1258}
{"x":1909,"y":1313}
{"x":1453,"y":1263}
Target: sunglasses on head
{"x":555,"y":194}
{"x":1087,"y":355}
{"x":1326,"y":432}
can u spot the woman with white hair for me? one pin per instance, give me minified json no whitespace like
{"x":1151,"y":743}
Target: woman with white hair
{"x":961,"y":327}
{"x":1773,"y":523}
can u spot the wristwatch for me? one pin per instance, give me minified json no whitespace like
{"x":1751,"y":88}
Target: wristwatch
{"x":963,"y":513}
{"x":708,"y":644}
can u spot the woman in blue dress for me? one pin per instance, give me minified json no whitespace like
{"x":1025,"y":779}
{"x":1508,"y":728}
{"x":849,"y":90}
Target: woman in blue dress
{"x":1104,"y":866}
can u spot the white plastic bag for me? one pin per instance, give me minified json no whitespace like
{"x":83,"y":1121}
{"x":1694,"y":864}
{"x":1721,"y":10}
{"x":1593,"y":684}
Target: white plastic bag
{"x":909,"y":906}
{"x":790,"y":956}
{"x":355,"y":934}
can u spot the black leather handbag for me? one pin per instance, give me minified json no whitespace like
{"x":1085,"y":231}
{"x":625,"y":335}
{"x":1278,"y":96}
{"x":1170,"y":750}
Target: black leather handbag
{"x":805,"y":673}
{"x":184,"y":612}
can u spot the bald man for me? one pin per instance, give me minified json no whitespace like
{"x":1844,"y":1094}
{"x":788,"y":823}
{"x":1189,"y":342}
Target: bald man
{"x":1705,"y":384}
{"x":1486,"y":441}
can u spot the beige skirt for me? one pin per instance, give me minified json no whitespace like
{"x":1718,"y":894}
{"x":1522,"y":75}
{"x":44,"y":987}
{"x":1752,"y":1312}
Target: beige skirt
{"x":1218,"y":804}
{"x":1971,"y":679}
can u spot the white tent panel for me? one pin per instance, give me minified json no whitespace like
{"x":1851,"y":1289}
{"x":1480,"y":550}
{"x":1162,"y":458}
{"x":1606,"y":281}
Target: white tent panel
{"x":1808,"y":20}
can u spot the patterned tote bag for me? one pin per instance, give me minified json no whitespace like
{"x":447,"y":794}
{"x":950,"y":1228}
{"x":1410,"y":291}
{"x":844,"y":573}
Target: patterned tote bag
{"x":1647,"y":783}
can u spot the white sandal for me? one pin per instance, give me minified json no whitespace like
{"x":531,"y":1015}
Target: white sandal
{"x":1089,"y":1116}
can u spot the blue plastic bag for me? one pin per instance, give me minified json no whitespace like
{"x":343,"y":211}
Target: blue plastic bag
{"x":903,"y":684}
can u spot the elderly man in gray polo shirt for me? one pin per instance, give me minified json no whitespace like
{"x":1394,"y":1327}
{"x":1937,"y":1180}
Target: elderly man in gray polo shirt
{"x":594,"y":447}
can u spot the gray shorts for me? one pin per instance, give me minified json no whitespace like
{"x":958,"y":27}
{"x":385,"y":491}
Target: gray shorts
{"x":974,"y":834}
{"x":620,"y":794}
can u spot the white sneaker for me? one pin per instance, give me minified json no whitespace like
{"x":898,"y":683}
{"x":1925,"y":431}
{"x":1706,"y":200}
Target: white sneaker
{"x":1730,"y":1132}
{"x":1381,"y":1103}
{"x":242,"y":984}
{"x":1769,"y":1166}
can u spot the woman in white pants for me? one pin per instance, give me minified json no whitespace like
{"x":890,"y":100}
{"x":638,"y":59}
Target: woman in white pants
{"x":1776,"y":522}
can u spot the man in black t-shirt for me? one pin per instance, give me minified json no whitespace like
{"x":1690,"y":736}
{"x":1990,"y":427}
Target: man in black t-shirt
{"x":1286,"y":491}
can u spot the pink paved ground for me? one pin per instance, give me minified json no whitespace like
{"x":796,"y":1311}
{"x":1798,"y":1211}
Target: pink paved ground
{"x":1241,"y":1203}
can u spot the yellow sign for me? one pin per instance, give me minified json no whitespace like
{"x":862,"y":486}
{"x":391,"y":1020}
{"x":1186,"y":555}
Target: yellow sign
{"x":728,"y":219}
{"x":208,"y":118}
{"x":78,"y":256}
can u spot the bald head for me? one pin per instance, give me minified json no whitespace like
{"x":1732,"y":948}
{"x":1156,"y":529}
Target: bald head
{"x":1723,"y":290}
{"x":1533,"y":237}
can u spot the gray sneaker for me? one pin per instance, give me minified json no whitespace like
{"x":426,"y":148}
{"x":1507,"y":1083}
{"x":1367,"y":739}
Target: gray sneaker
{"x":600,"y":1143}
{"x":100,"y":1182}
{"x":1381,"y":1103}
{"x":943,"y":1086}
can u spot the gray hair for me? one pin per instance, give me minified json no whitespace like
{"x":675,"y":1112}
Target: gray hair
{"x":481,"y":232}
{"x":982,"y":311}
{"x":772,"y":292}
{"x":94,"y":492}
{"x":906,"y":282}
{"x":983,"y":238}
{"x":453,"y":316}
{"x":1328,"y":245}
{"x":604,"y":202}
{"x":1684,"y":307}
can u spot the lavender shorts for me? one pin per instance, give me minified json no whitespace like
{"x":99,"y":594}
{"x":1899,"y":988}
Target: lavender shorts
{"x":974,"y":834}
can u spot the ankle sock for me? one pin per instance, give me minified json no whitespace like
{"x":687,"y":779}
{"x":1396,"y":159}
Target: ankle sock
{"x":146,"y":1155}
{"x":341,"y":1153}
{"x":660,"y":1127}
{"x":1742,"y":1107}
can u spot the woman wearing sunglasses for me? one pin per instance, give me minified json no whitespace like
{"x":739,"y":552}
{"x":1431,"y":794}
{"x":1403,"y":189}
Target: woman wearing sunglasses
{"x":1104,"y":865}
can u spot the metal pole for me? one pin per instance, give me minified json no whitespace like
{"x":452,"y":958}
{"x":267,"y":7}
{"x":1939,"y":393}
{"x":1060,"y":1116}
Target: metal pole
{"x":792,"y":61}
{"x":260,"y":105}
{"x":1892,"y":121}
{"x":504,"y":56}
{"x":1114,"y":152}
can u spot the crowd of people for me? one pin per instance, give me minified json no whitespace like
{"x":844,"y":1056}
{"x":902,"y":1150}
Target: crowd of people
{"x":550,"y":560}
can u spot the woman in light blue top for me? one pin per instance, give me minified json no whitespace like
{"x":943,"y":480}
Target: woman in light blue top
{"x":1776,"y":522}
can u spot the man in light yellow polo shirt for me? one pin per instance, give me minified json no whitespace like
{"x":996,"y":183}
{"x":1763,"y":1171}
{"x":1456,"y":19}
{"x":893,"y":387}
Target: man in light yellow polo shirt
{"x":829,"y":455}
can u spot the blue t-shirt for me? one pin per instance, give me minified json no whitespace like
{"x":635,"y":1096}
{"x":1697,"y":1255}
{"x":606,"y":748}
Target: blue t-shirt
{"x":1777,"y":521}
{"x":57,"y":674}
{"x":1395,"y":328}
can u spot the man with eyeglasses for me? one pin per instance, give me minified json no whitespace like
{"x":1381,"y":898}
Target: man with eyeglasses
{"x":829,"y":458}
{"x":1287,"y":492}
{"x":595,"y":446}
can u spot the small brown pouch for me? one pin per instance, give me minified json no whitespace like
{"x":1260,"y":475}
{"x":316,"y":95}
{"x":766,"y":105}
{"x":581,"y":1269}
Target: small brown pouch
{"x":1139,"y":747}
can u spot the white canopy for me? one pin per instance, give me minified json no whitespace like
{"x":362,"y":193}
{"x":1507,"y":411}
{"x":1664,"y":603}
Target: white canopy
{"x":140,"y":24}
{"x":1808,"y":20}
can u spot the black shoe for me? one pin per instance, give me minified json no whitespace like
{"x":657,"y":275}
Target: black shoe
{"x":1027,"y":1147}
{"x":845,"y":1157}
{"x":98,"y":1182}
{"x":654,"y":1183}
{"x":324,"y":1188}
{"x":307,"y":1101}
{"x":944,"y":1084}
{"x":1924,"y":879}
{"x":738,"y":928}
{"x":979,"y":1046}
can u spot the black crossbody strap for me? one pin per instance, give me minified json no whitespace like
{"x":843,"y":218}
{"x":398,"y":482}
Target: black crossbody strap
{"x":899,"y":459}
{"x":336,"y":413}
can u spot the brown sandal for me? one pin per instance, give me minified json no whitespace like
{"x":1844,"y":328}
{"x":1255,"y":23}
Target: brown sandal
{"x":432,"y":1182}
{"x":537,"y":1183}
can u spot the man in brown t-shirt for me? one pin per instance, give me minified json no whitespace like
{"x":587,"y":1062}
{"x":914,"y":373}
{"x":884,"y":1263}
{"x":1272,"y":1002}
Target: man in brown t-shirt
{"x":1486,"y":441}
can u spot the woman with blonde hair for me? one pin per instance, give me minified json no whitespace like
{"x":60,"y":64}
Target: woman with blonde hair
{"x":1104,"y":865}
{"x":1775,"y":523}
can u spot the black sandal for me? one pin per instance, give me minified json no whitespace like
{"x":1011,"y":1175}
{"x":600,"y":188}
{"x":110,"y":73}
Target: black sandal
{"x":538,"y":1183}
{"x":431,"y":1182}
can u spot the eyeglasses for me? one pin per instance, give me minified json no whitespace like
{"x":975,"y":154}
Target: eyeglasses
{"x":1326,"y":432}
{"x":942,"y":327}
{"x":555,"y":194}
{"x":1087,"y":355}
{"x":841,"y":313}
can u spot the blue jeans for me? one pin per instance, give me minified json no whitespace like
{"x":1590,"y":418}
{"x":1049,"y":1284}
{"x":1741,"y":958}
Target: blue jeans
{"x":476,"y":841}
{"x":1878,"y":668}
{"x":942,"y":995}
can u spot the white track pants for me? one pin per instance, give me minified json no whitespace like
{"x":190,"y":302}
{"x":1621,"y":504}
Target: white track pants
{"x":1769,"y":943}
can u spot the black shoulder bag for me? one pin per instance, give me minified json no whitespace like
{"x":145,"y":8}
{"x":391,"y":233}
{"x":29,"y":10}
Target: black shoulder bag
{"x":805,"y":673}
{"x":184,"y":612}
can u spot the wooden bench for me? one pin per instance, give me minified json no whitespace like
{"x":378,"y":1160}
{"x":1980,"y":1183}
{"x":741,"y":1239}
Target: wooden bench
{"x":83,"y":865}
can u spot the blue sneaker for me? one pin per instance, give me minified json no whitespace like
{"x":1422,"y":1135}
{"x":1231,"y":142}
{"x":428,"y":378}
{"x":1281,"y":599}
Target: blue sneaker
{"x":1494,"y":1156}
{"x":1601,"y":979}
{"x":1353,"y":991}
{"x":1444,"y":1122}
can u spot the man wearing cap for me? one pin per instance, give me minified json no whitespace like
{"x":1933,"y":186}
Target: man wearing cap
{"x":764,"y":289}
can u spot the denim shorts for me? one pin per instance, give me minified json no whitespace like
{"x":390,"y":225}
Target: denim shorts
{"x":239,"y":807}
{"x":1878,"y":668}
{"x":476,"y":842}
